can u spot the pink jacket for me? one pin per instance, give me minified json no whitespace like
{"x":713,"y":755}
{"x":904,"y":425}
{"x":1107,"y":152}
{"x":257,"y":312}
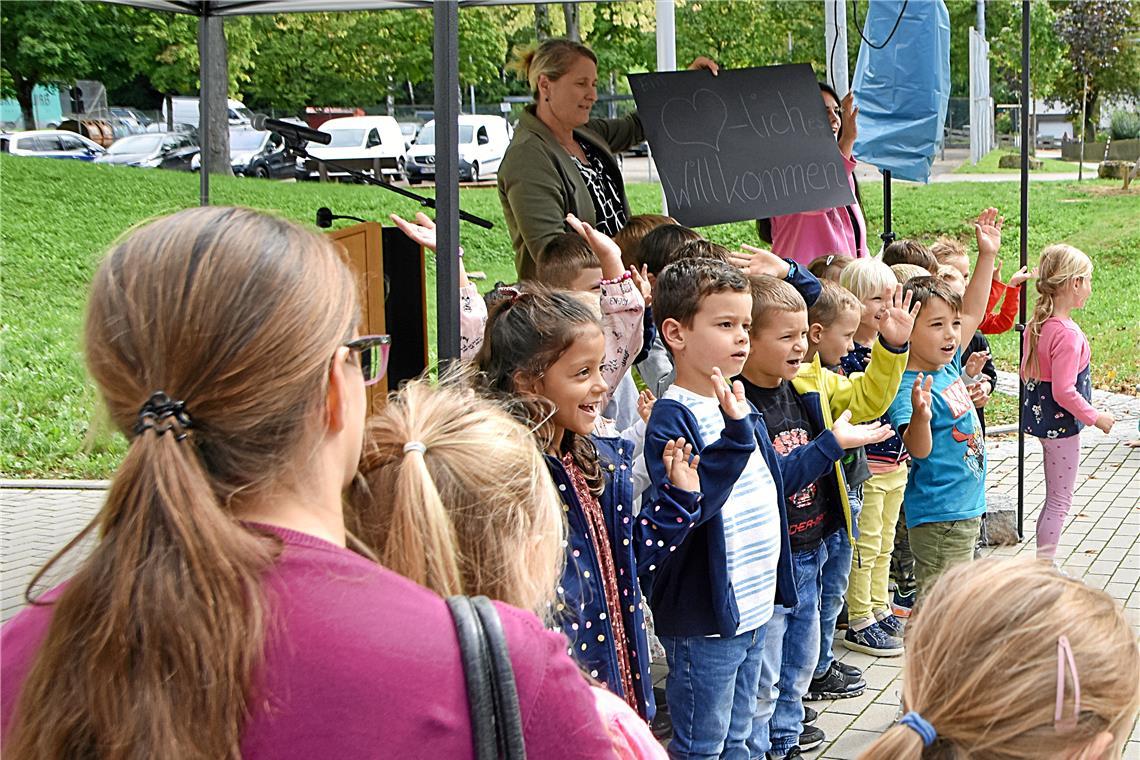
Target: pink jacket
{"x":623,"y":310}
{"x":805,"y":236}
{"x":1062,"y":352}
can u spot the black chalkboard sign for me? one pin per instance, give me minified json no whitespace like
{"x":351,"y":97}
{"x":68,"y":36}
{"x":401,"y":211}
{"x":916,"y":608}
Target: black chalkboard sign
{"x":747,"y":144}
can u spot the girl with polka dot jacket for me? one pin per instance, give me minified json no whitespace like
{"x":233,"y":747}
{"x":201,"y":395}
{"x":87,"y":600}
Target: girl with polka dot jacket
{"x":545,"y":350}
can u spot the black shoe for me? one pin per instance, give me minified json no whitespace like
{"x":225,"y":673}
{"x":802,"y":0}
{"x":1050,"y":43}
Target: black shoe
{"x":793,"y":754}
{"x":850,"y":672}
{"x":841,"y":621}
{"x":662,"y":726}
{"x":833,"y":685}
{"x":811,"y":737}
{"x":810,"y":716}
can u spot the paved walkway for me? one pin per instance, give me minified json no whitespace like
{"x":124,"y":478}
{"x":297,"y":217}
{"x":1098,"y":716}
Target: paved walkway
{"x":1101,"y":543}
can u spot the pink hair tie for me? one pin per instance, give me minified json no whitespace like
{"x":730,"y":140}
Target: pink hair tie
{"x":1065,"y":657}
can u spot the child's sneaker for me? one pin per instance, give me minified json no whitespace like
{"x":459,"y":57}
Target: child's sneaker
{"x":901,"y":604}
{"x":810,"y":716}
{"x":834,"y":684}
{"x":892,"y":625}
{"x":873,"y":640}
{"x":811,"y":737}
{"x":850,"y":672}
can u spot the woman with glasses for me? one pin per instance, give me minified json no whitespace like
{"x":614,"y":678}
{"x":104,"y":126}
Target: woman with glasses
{"x":808,"y":235}
{"x":223,"y":609}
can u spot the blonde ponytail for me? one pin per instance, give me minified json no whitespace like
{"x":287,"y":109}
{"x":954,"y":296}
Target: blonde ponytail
{"x":1060,"y":264}
{"x":981,"y":666}
{"x":454,"y":494}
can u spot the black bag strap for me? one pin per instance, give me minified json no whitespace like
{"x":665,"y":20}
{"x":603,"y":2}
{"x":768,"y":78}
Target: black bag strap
{"x":492,"y":697}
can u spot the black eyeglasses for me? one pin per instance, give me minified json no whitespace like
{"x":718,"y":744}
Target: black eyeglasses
{"x":373,"y":351}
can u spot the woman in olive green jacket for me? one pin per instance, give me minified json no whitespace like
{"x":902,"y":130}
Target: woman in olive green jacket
{"x":561,"y":161}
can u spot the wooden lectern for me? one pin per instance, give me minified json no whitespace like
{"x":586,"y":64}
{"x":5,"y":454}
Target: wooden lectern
{"x":393,"y":298}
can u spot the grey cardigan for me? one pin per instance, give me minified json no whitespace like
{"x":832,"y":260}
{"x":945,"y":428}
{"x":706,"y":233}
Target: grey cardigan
{"x":539,"y":183}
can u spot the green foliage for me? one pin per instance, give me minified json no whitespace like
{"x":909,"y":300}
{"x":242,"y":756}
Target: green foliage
{"x":1047,"y":50}
{"x":1125,"y":125}
{"x":739,"y":33}
{"x":48,"y":409}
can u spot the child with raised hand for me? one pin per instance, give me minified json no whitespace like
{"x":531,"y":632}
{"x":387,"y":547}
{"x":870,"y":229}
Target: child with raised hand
{"x":802,"y":406}
{"x":945,"y":491}
{"x":712,"y":596}
{"x":951,"y":253}
{"x":978,"y":370}
{"x":1010,"y":660}
{"x":1057,"y":386}
{"x":545,"y":350}
{"x":873,"y":627}
{"x":832,"y":322}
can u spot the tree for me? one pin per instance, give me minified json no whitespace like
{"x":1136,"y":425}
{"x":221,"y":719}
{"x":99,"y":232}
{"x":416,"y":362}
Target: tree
{"x":50,"y":43}
{"x":1100,"y":35}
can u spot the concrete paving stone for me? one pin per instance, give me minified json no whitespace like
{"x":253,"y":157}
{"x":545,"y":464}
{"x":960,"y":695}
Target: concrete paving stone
{"x":833,"y":723}
{"x":1132,"y":751}
{"x":879,"y":676}
{"x":1119,"y":591}
{"x":1096,"y":581}
{"x":849,"y":745}
{"x":1125,"y":575}
{"x":855,"y":705}
{"x":856,"y":659}
{"x":877,"y":718}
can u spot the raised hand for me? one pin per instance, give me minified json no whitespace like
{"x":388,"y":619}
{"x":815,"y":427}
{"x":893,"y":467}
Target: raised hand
{"x":920,"y":397}
{"x":731,"y":397}
{"x":849,"y":131}
{"x":979,"y":393}
{"x":1022,"y":275}
{"x":645,"y":402}
{"x":641,"y":280}
{"x":422,"y":231}
{"x":987,"y":230}
{"x":975,"y":362}
{"x":896,"y":324}
{"x":603,"y":246}
{"x":681,"y":465}
{"x":853,"y":436}
{"x":756,"y":261}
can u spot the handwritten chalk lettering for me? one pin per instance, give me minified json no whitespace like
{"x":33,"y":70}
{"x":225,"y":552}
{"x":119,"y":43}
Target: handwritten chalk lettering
{"x":747,"y":144}
{"x":772,"y":184}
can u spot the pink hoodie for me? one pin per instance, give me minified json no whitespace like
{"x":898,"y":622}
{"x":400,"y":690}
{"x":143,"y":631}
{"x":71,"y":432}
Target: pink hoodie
{"x":806,"y":236}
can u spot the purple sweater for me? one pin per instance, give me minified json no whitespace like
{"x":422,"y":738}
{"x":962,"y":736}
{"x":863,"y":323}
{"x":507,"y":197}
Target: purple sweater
{"x":365,"y":663}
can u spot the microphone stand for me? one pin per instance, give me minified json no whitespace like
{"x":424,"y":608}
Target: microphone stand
{"x":298,"y":148}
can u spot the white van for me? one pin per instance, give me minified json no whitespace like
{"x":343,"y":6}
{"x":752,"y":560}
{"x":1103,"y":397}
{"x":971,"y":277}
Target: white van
{"x":357,"y":142}
{"x":186,"y":112}
{"x":483,"y":141}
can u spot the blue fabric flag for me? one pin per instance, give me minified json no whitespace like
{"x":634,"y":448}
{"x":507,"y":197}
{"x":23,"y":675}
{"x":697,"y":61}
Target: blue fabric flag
{"x":903,"y":89}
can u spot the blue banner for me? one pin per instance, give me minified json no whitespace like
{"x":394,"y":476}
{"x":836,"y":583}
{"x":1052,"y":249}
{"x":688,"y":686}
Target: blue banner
{"x":903,"y":89}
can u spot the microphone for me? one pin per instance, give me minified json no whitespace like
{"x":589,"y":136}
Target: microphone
{"x":286,"y":129}
{"x":325,"y":217}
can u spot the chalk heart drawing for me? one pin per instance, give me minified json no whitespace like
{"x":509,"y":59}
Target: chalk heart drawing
{"x":684,"y":119}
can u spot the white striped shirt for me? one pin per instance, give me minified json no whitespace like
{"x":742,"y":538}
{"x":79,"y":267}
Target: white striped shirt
{"x":751,"y":519}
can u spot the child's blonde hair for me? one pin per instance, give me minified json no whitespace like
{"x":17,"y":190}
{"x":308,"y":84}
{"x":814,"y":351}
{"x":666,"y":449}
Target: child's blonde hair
{"x":867,"y":277}
{"x":946,"y":248}
{"x":474,"y":512}
{"x":1060,"y":263}
{"x":982,"y":666}
{"x":770,"y":296}
{"x":904,"y":272}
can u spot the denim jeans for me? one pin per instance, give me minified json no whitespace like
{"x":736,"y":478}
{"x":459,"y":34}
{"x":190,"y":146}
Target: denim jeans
{"x":790,"y":654}
{"x":711,"y":691}
{"x":836,"y":568}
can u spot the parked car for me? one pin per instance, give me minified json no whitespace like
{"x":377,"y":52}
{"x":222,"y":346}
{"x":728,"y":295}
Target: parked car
{"x":163,"y":150}
{"x":357,"y":141}
{"x":186,"y":112}
{"x":50,"y":143}
{"x":409,"y":129}
{"x":482,"y":142}
{"x":260,"y":154}
{"x":134,"y":119}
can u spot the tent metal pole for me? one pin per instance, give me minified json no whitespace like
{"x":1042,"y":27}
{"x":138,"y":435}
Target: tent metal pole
{"x":203,"y":107}
{"x":1024,"y":260}
{"x":446,"y":44}
{"x":888,"y":235}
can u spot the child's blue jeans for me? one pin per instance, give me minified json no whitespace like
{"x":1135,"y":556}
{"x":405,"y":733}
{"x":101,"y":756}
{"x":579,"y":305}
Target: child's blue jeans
{"x":711,"y":691}
{"x":791,"y":650}
{"x":836,"y":570}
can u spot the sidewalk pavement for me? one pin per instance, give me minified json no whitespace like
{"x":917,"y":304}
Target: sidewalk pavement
{"x":1100,"y":543}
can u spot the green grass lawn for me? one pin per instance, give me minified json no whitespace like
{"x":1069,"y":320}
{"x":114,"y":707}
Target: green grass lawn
{"x":59,"y":217}
{"x":989,"y":165}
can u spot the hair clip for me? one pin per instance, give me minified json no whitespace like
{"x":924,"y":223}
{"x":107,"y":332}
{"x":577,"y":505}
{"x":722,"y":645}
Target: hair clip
{"x":160,"y":407}
{"x":1065,"y":657}
{"x":830,"y":258}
